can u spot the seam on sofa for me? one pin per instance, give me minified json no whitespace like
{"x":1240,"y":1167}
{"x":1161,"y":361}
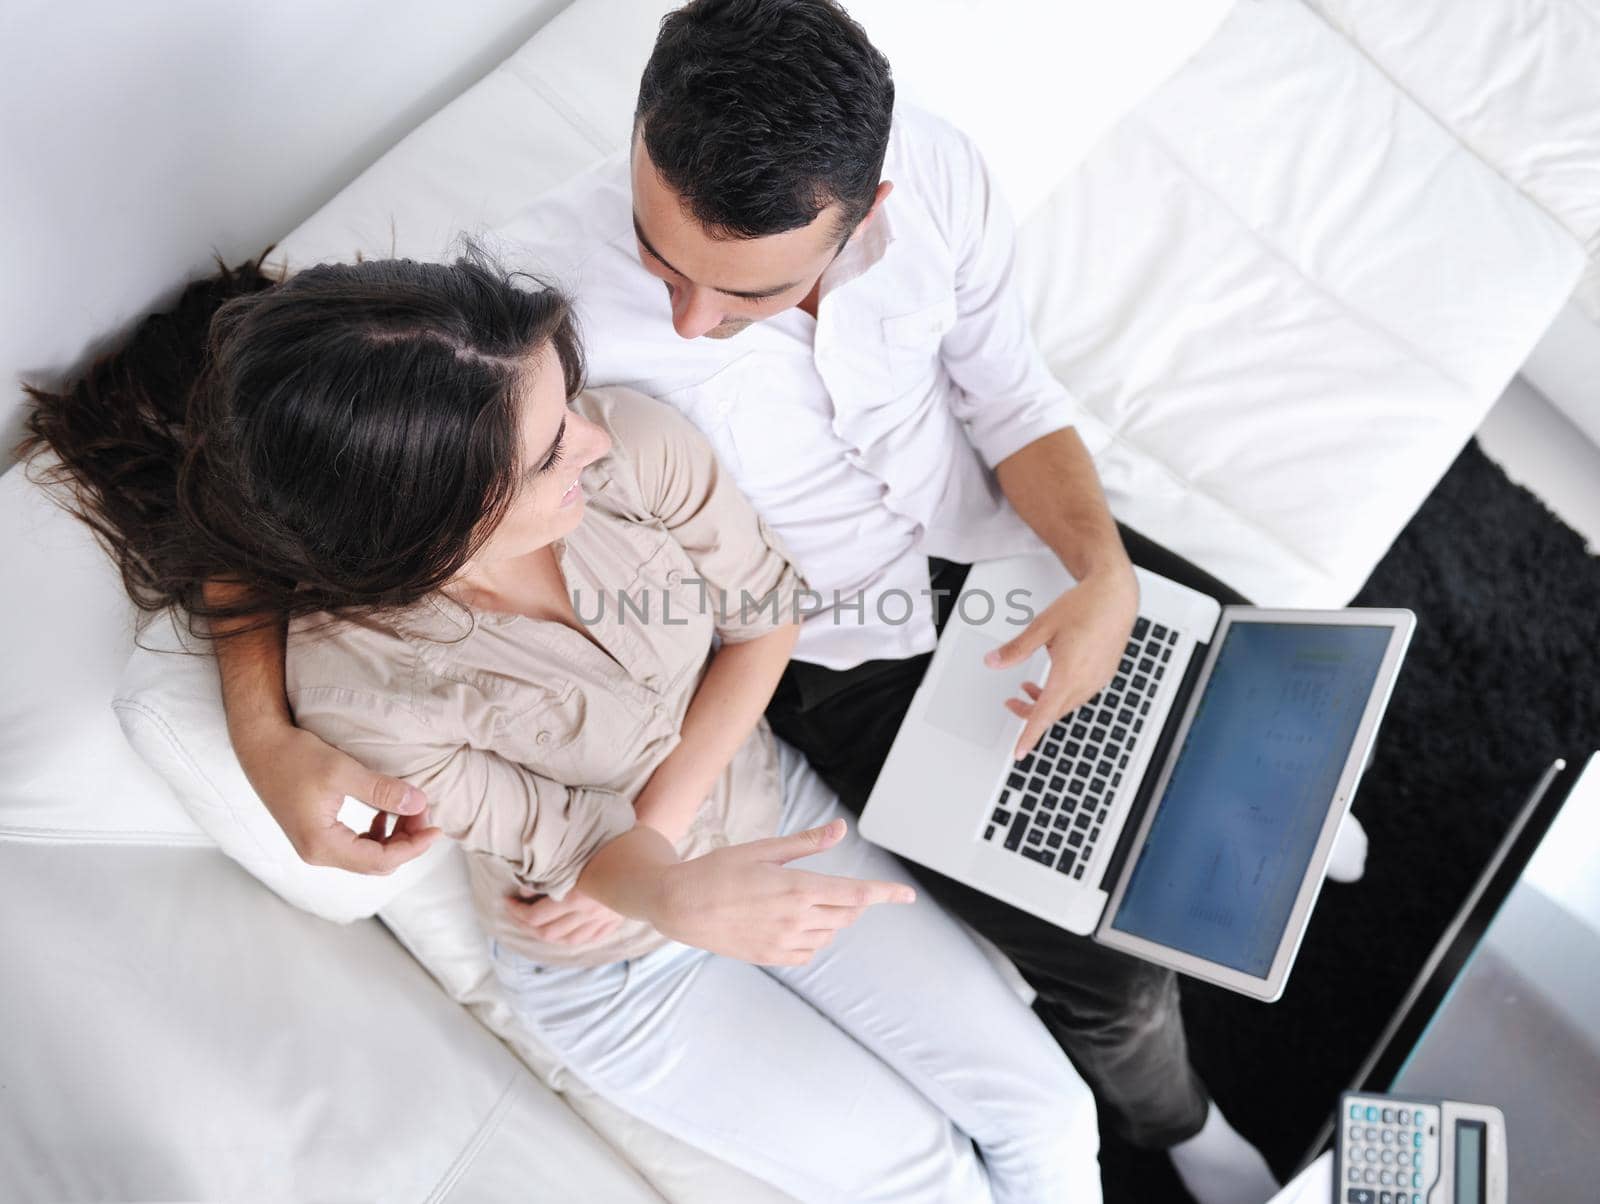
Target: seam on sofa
{"x":530,"y":80}
{"x":1449,"y":130}
{"x":1278,"y":252}
{"x":1585,"y":10}
{"x":469,"y":1153}
{"x":219,"y":799}
{"x":147,"y":839}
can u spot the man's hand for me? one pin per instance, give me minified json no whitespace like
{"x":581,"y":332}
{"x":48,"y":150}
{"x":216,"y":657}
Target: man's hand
{"x":1086,"y":630}
{"x":303,"y":781}
{"x":741,"y":902}
{"x":575,"y":920}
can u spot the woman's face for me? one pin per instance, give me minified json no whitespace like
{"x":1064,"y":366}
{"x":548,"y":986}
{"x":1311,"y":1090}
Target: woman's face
{"x":557,"y":445}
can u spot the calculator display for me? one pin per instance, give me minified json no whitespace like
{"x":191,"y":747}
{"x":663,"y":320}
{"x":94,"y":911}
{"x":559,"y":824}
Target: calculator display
{"x":1470,"y":1157}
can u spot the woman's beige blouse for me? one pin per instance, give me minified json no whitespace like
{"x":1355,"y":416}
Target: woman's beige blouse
{"x":531,"y":742}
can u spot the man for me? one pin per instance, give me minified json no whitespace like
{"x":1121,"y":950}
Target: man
{"x":823,"y":285}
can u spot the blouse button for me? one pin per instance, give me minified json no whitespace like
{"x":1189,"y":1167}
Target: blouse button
{"x":674,"y":577}
{"x":542,"y":738}
{"x":658,"y":710}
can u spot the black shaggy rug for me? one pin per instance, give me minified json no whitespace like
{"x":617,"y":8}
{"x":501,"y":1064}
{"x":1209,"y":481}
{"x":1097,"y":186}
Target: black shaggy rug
{"x":1500,"y":681}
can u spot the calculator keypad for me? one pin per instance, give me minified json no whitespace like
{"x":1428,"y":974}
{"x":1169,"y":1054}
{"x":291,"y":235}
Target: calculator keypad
{"x":1388,"y":1151}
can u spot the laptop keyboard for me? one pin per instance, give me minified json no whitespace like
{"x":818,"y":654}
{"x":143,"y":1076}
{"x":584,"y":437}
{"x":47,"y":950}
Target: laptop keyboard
{"x":1053,"y":806}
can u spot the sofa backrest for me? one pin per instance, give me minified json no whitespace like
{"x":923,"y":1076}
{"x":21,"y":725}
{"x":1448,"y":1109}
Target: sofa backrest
{"x":1038,"y":85}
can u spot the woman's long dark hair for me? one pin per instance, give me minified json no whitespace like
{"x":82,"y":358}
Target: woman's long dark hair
{"x":340,"y":442}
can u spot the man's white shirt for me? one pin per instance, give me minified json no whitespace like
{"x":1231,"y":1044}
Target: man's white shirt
{"x":864,"y":437}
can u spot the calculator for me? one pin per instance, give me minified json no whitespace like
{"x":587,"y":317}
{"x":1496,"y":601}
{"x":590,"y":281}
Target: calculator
{"x":1395,"y":1150}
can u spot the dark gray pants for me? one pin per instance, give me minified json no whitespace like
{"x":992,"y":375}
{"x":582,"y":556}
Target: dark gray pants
{"x":1117,"y":1017}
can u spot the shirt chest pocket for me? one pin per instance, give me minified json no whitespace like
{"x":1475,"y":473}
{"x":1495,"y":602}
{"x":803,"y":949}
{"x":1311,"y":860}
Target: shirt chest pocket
{"x":580,"y":736}
{"x":547,"y":731}
{"x":911,"y":342}
{"x":708,"y":402}
{"x":765,"y":416}
{"x":667,"y":619}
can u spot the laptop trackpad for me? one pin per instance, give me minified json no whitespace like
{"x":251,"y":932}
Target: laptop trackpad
{"x":969,"y":701}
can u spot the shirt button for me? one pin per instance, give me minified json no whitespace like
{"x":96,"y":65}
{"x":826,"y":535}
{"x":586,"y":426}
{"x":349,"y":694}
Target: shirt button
{"x":658,"y":710}
{"x":674,"y":577}
{"x":542,"y":739}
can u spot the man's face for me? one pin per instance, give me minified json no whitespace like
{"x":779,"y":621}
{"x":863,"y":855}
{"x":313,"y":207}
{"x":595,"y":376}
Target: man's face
{"x":719,"y":286}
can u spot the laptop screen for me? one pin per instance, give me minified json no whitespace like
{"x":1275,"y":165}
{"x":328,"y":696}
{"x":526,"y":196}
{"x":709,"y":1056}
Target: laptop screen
{"x":1232,"y":835}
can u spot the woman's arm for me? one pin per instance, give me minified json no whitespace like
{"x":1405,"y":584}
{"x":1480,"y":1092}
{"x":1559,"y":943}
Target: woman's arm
{"x":740,"y":902}
{"x":683,"y":488}
{"x":735,"y":690}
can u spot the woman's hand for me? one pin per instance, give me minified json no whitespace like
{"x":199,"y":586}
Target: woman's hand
{"x":575,"y":920}
{"x":741,"y":902}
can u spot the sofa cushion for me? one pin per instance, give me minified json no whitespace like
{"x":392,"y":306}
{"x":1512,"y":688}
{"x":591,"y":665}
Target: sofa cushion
{"x":190,"y":1037}
{"x":1291,"y":296}
{"x":169,"y":703}
{"x":1518,"y":82}
{"x":66,"y":773}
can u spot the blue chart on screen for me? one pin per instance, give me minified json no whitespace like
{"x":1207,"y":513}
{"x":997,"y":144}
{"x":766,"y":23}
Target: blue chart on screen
{"x":1234,"y":831}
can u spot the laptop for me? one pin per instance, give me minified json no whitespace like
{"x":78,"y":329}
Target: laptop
{"x":1186,"y":813}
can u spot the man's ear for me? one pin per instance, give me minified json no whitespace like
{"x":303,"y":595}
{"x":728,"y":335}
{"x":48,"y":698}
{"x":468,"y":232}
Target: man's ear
{"x":884,"y":189}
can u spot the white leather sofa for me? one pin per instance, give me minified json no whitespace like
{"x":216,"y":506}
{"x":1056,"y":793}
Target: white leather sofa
{"x":1287,"y":285}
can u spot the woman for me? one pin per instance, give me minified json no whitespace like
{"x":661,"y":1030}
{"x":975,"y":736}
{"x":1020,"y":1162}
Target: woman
{"x":399,"y":460}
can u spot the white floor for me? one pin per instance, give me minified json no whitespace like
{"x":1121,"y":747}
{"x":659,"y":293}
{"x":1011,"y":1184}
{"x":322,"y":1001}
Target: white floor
{"x":1543,"y":452}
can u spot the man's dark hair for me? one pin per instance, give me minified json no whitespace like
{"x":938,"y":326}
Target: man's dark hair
{"x":761,"y":113}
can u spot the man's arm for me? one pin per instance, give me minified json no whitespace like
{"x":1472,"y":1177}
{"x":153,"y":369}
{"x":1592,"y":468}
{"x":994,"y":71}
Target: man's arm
{"x":302,"y":779}
{"x":1053,"y":485}
{"x":1024,"y":425}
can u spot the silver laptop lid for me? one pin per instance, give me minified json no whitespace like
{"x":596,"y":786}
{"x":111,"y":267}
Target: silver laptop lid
{"x":1228,"y":859}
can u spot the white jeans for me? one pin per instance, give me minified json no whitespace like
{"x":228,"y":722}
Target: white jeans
{"x":867,"y":1075}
